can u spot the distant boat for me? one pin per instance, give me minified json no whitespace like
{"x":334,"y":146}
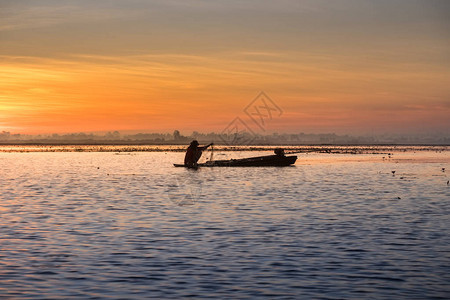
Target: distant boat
{"x":260,"y":161}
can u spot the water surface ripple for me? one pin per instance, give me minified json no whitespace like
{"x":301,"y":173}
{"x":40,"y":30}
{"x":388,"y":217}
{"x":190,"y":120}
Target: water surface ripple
{"x":101,"y":225}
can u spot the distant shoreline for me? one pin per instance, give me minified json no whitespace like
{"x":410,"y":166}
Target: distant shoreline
{"x":131,"y":143}
{"x":331,"y":149}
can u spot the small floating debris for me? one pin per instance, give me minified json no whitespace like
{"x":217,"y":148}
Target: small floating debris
{"x":393,"y":173}
{"x":443,"y":169}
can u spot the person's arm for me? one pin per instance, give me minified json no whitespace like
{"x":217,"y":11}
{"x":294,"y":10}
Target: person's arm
{"x":205,"y":147}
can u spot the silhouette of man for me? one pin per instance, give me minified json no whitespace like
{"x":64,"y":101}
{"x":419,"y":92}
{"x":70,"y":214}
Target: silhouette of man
{"x":193,"y":154}
{"x":279,"y":152}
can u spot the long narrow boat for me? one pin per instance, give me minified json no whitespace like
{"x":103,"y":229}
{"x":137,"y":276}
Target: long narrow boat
{"x":260,"y":161}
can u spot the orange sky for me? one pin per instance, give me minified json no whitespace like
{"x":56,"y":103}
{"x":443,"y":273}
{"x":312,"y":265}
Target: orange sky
{"x":155,"y":66}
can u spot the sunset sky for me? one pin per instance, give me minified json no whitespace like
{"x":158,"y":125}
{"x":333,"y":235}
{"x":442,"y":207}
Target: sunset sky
{"x":346,"y":66}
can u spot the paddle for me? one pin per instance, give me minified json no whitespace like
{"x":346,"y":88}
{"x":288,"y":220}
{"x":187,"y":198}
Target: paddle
{"x":212,"y":153}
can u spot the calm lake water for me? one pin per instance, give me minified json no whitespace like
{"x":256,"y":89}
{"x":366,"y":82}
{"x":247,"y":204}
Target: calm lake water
{"x":130,"y":225}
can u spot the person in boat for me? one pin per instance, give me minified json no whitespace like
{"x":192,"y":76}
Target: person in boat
{"x":193,"y":154}
{"x":279,"y":152}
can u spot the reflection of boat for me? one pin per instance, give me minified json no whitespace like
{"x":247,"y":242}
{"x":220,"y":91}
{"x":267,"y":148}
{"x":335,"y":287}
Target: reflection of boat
{"x":260,"y":161}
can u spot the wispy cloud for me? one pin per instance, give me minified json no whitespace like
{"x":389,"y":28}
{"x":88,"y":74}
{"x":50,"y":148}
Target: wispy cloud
{"x":19,"y":16}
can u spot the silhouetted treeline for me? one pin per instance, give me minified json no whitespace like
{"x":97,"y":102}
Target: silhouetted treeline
{"x":245,"y":138}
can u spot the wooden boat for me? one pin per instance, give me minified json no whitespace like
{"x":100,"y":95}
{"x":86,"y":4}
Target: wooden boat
{"x":260,"y":161}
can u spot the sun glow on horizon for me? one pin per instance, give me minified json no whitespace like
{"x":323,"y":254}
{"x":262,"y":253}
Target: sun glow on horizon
{"x":165,"y":76}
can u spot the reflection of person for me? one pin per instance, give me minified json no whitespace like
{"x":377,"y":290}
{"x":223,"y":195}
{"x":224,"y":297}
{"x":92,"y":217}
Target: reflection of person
{"x":193,"y":154}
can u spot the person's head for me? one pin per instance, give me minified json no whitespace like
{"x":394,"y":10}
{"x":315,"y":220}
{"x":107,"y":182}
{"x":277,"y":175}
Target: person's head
{"x":279,"y":151}
{"x":194,"y":143}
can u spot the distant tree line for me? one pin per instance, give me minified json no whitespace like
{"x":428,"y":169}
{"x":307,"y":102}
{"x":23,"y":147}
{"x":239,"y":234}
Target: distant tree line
{"x":115,"y":137}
